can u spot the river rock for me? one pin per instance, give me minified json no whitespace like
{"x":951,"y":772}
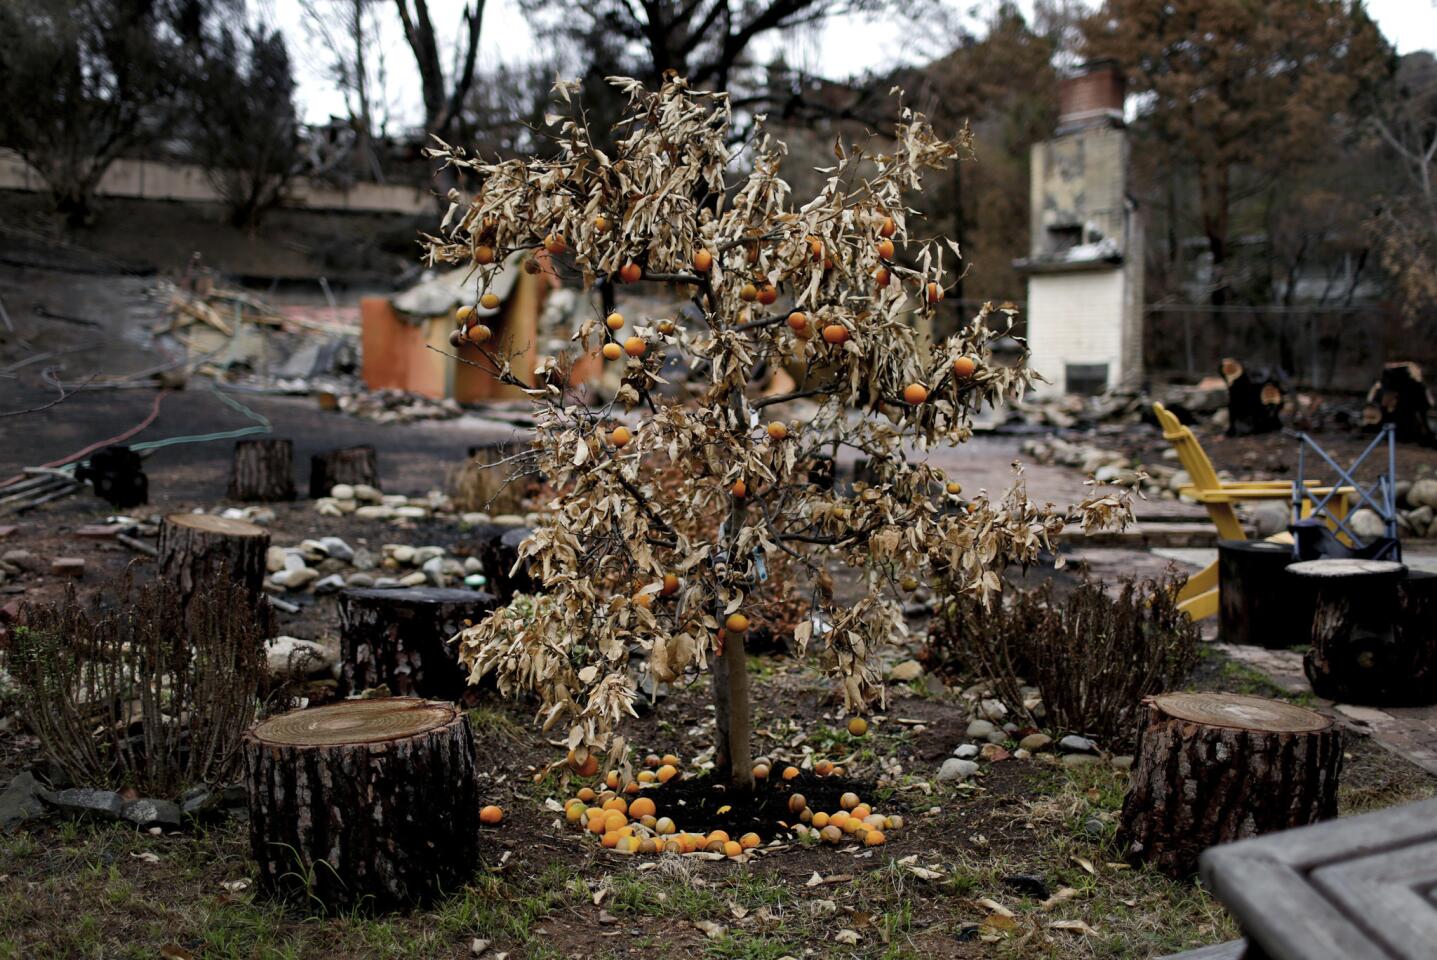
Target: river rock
{"x":1367,"y":524}
{"x":338,"y":549}
{"x":290,"y":658}
{"x":147,"y":813}
{"x":1423,"y":493}
{"x":1073,"y":743}
{"x":906,"y":671}
{"x":20,"y":801}
{"x":979,"y":730}
{"x":966,"y":751}
{"x":956,"y":769}
{"x":85,"y":802}
{"x":342,"y":491}
{"x":1036,"y":742}
{"x":274,"y":559}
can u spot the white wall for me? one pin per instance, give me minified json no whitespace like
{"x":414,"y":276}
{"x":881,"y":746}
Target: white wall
{"x":1076,"y":317}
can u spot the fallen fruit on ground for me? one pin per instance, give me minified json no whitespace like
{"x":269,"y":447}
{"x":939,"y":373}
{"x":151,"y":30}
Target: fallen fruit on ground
{"x":642,"y":807}
{"x":667,"y":772}
{"x":790,"y":772}
{"x":491,"y":815}
{"x":848,"y":801}
{"x":856,"y":726}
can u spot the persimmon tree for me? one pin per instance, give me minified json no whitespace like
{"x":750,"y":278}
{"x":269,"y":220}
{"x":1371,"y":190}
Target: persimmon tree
{"x":669,"y":512}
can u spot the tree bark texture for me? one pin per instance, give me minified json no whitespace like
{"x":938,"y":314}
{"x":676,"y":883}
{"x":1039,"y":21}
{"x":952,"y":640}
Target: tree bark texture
{"x":1356,"y":656}
{"x":400,"y":638}
{"x":1254,"y":606}
{"x":1216,"y":767}
{"x":197,"y":546}
{"x":497,"y":549}
{"x":347,"y":465}
{"x":365,"y":804}
{"x":263,"y":470}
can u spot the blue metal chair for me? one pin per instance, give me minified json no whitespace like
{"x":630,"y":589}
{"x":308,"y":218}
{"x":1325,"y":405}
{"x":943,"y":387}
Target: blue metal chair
{"x":1321,"y":532}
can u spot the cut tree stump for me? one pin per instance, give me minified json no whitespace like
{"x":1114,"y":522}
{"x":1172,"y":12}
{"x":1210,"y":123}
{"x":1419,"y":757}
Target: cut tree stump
{"x":497,"y":549}
{"x":400,"y":638}
{"x":1254,"y":607}
{"x":263,"y":470}
{"x":364,"y":804}
{"x":1399,"y":397}
{"x":1216,"y":767}
{"x":348,"y":465}
{"x":1355,"y":655}
{"x":1254,"y":400}
{"x":197,"y":546}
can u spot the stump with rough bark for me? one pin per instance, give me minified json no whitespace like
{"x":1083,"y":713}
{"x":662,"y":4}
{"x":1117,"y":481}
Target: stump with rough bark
{"x":1254,"y":608}
{"x":364,"y":804}
{"x":347,"y":465}
{"x":197,"y":546}
{"x":497,"y":549}
{"x":263,"y":470}
{"x":1216,"y":767}
{"x":1355,"y":655}
{"x":400,"y":638}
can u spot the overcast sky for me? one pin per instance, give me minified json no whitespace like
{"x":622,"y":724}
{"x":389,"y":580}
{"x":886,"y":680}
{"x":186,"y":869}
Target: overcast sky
{"x":842,"y":46}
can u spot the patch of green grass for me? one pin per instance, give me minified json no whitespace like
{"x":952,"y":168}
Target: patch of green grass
{"x":490,"y":724}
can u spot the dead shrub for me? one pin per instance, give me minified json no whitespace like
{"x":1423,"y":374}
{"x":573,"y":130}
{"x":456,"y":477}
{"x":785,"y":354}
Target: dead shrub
{"x":120,"y":693}
{"x":1091,"y":656}
{"x":484,"y":483}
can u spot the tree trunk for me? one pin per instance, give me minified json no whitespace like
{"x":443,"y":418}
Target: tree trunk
{"x":1355,"y":655}
{"x":197,"y":546}
{"x":1216,"y":767}
{"x":740,"y":740}
{"x":348,"y":465}
{"x":1254,"y":400}
{"x":364,"y":804}
{"x":1256,"y":606}
{"x":263,"y":470}
{"x":1399,"y":397}
{"x":497,"y":549}
{"x":1374,"y":633}
{"x":400,"y":638}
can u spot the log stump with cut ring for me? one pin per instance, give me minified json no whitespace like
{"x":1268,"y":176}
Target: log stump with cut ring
{"x":1216,"y":767}
{"x":364,"y":804}
{"x":1356,"y":654}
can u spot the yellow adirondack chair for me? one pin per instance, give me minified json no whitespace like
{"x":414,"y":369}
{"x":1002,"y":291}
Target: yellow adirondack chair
{"x":1199,"y":596}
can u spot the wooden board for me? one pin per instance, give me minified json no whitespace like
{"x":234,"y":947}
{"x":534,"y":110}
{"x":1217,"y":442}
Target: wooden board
{"x":1360,"y":888}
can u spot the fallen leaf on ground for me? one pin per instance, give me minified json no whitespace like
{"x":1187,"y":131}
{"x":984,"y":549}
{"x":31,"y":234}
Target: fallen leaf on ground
{"x":1066,"y":893}
{"x":147,"y":857}
{"x":993,"y":906}
{"x":173,"y":951}
{"x":1073,"y":926}
{"x":849,"y":937}
{"x":711,"y":930}
{"x":1086,"y":865}
{"x":235,"y":886}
